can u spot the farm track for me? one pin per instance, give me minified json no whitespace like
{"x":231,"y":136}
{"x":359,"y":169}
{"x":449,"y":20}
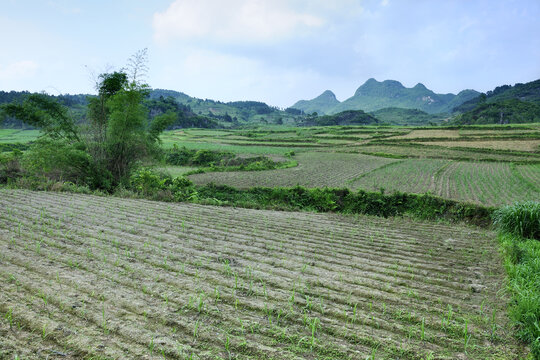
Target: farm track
{"x":141,"y":279}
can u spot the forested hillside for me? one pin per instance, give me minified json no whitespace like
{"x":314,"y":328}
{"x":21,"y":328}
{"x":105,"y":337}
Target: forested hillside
{"x":504,"y":105}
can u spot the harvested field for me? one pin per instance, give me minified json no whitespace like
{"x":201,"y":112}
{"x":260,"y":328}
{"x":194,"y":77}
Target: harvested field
{"x":94,"y":277}
{"x":435,"y":133}
{"x":517,"y":145}
{"x":438,"y":152}
{"x":315,"y":169}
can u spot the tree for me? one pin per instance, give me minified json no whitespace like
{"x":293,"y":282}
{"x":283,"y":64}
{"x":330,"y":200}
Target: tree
{"x":45,"y":113}
{"x":103,"y":152}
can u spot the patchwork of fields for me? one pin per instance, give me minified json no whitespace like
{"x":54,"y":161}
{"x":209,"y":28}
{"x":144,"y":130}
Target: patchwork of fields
{"x":487,"y":183}
{"x":94,"y":277}
{"x":315,"y":169}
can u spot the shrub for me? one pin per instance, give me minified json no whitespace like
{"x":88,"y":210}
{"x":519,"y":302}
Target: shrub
{"x":179,"y":156}
{"x":156,"y":186}
{"x":520,"y":219}
{"x":62,"y":161}
{"x":209,"y":157}
{"x":10,"y":167}
{"x":146,"y":182}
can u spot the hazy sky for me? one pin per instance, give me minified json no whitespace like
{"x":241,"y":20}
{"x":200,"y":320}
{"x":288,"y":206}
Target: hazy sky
{"x":277,"y":51}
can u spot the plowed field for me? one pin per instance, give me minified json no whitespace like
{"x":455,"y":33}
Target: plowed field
{"x":93,"y":277}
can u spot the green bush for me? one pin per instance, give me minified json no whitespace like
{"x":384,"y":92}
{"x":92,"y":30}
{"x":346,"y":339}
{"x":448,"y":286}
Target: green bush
{"x":520,"y":219}
{"x":10,"y":166}
{"x":153,"y":185}
{"x":179,"y":156}
{"x":146,"y":182}
{"x":62,"y":161}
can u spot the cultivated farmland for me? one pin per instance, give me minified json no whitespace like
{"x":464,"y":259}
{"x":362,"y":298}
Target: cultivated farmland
{"x":93,"y":277}
{"x":315,"y":169}
{"x":485,"y":183}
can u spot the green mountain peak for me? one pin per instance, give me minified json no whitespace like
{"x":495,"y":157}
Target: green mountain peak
{"x":374,"y":95}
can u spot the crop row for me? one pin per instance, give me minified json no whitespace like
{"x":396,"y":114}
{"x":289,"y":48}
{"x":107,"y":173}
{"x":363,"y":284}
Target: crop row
{"x":89,"y":276}
{"x":315,"y":169}
{"x":485,"y":183}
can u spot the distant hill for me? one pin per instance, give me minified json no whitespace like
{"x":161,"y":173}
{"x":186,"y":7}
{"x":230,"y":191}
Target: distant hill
{"x":512,"y":111}
{"x":374,"y":95}
{"x":76,"y":104}
{"x":529,"y":92}
{"x":322,"y":104}
{"x":234,"y":112}
{"x":192,"y":112}
{"x":505,"y":104}
{"x":349,"y":117}
{"x":400,"y":116}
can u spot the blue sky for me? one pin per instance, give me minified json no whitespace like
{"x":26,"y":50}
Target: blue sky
{"x":277,"y":51}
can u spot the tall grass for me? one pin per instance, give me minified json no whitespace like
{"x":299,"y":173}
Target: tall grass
{"x":520,"y":219}
{"x":520,"y":231}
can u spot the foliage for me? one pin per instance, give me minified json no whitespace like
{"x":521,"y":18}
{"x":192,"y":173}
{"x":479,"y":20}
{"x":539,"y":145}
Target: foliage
{"x":519,"y":225}
{"x":148,"y":183}
{"x":528,"y":92}
{"x":183,"y":156}
{"x":43,"y":112}
{"x":350,"y":117}
{"x":219,"y":161}
{"x":512,"y":111}
{"x":184,"y":117}
{"x":103,"y":152}
{"x":520,"y":219}
{"x":76,"y":104}
{"x":346,"y":201}
{"x":10,"y":167}
{"x":401,"y":116}
{"x":64,"y":161}
{"x":12,"y":147}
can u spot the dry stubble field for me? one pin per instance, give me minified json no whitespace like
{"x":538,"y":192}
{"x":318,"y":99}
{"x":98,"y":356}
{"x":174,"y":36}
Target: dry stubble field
{"x":96,"y":278}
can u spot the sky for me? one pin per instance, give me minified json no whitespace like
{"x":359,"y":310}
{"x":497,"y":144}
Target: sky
{"x":276,"y":51}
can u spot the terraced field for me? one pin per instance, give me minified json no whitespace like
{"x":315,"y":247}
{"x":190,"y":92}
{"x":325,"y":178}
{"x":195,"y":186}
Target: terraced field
{"x":491,"y":184}
{"x":93,"y":277}
{"x":315,"y":169}
{"x":486,"y":183}
{"x":517,"y":145}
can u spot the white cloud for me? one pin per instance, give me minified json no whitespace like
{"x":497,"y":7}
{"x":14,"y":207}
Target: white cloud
{"x":17,"y":70}
{"x":236,"y":21}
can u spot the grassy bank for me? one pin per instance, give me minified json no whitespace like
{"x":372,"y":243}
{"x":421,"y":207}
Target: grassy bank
{"x":519,"y":237}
